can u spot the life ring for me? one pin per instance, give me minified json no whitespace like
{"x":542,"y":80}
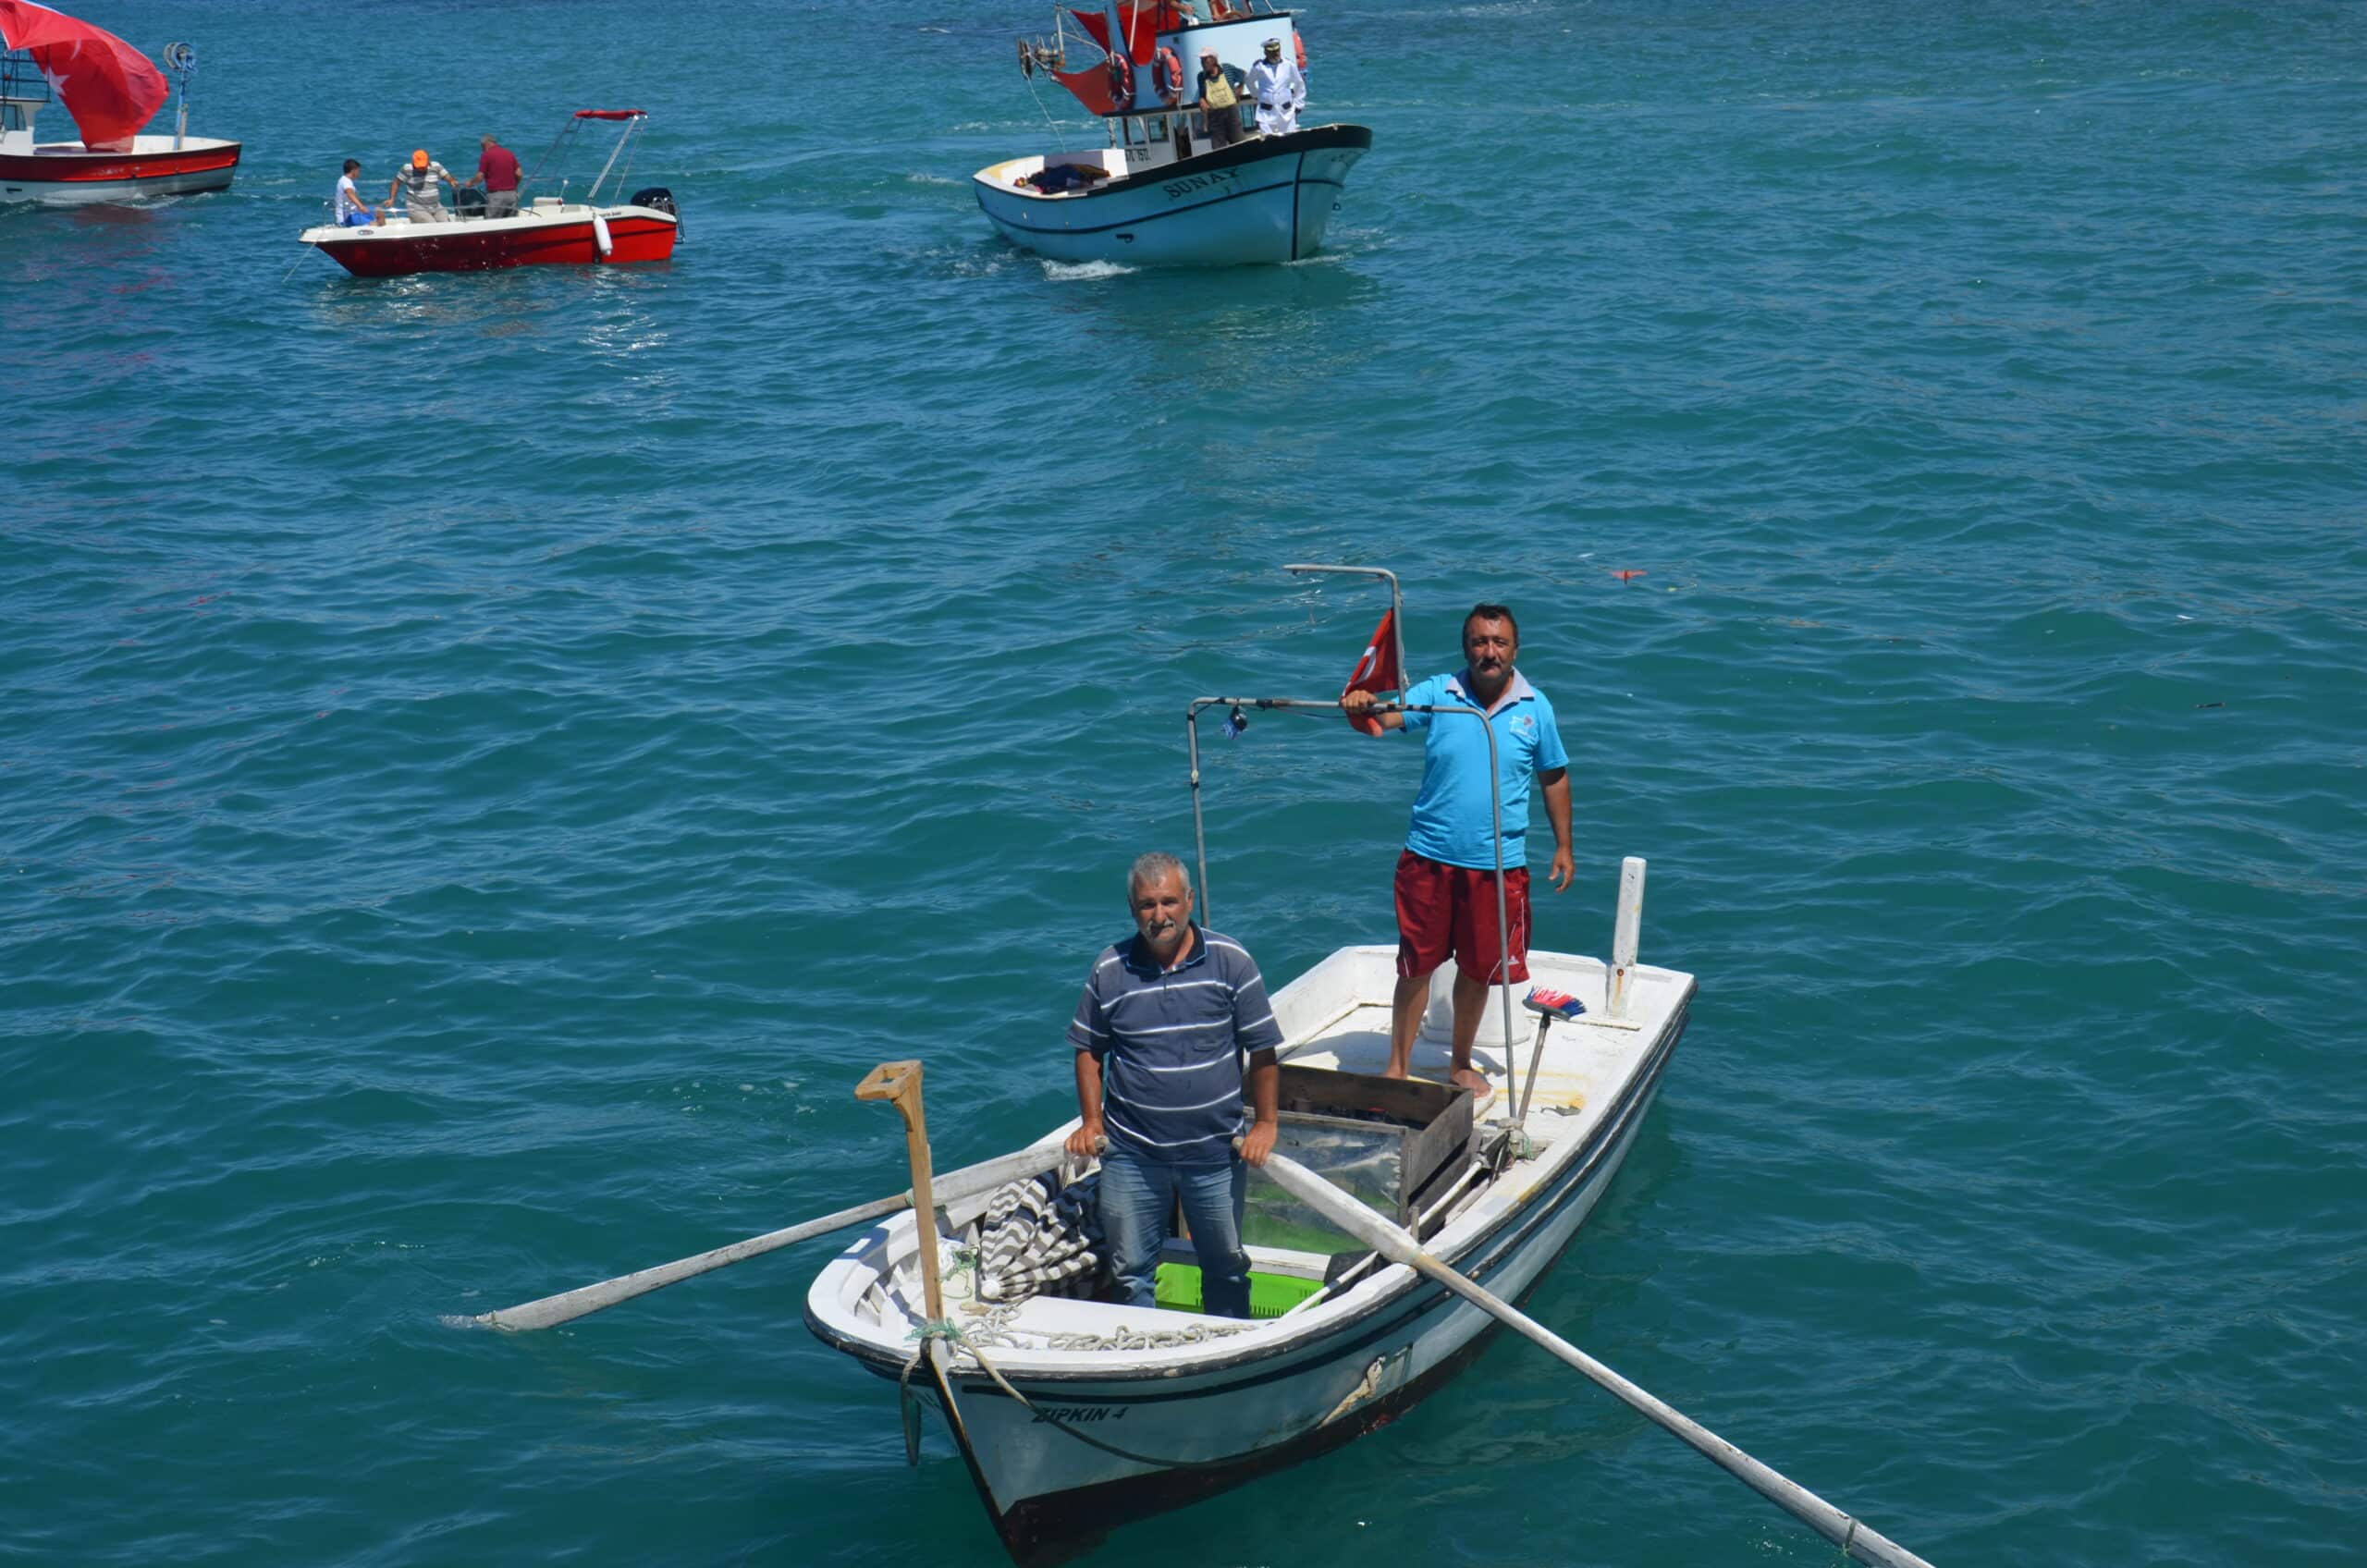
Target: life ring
{"x":1299,"y":46}
{"x":1167,"y":75}
{"x":1121,"y":84}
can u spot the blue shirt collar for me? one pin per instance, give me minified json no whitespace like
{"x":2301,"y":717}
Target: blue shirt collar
{"x":1516,"y":689}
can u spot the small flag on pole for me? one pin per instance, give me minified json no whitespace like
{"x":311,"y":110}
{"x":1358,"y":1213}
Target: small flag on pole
{"x":1377,"y":671}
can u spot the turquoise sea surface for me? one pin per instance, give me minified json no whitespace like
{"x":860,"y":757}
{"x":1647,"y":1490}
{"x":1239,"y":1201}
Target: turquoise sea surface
{"x":488,"y":762}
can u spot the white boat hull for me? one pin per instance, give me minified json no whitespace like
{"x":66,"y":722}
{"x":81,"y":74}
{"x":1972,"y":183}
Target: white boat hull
{"x":1292,"y":1388}
{"x":1266,"y":200}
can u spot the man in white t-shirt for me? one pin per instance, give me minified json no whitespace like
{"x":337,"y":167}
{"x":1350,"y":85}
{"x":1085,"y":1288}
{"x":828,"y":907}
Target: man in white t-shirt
{"x":352,"y":212}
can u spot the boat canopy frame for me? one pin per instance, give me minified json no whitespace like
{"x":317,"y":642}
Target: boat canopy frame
{"x":632,"y":120}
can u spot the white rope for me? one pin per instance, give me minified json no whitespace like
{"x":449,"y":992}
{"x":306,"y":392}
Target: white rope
{"x":998,"y":1325}
{"x":1058,"y":134}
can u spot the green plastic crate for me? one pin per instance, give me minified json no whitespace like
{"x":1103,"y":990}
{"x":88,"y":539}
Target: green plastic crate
{"x":1271,"y":1295}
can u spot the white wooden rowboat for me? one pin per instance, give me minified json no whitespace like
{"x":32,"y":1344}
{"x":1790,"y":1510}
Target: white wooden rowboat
{"x":1067,"y":1435}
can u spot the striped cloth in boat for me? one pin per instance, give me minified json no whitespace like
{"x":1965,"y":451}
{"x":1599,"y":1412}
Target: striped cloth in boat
{"x":1040,"y":1238}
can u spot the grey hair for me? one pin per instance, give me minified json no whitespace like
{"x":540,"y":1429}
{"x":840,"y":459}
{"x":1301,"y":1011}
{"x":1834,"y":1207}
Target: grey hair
{"x":1151,"y":867}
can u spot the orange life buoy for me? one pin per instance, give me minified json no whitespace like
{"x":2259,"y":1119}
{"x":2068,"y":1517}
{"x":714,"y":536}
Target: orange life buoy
{"x":1167,"y":75}
{"x":1121,"y":84}
{"x":1298,"y":46}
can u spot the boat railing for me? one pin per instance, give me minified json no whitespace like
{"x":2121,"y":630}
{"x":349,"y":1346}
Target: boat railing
{"x":23,"y":89}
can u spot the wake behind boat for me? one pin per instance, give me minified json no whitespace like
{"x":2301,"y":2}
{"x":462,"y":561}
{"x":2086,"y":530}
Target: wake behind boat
{"x":1183,"y":181}
{"x":111,"y":90}
{"x":548,"y":230}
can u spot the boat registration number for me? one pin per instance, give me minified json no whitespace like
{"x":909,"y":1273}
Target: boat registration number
{"x":1071,"y":1414}
{"x":1176,"y":188}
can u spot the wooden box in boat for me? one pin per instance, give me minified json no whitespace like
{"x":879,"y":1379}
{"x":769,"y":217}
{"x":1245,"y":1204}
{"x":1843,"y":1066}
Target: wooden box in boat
{"x":1385,"y":1140}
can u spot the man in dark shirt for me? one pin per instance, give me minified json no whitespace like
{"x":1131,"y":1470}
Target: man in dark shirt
{"x":1172,"y":1025}
{"x":1219,"y":104}
{"x":497,"y":172}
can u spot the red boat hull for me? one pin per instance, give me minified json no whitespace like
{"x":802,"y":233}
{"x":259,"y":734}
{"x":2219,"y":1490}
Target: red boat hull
{"x":490,"y":247}
{"x":73,"y":174}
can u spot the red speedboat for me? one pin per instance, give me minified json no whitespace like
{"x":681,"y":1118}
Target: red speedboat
{"x":547,"y":231}
{"x":111,"y":90}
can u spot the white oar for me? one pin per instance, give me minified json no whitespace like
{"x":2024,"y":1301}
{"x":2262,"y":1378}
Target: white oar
{"x":968,"y":1181}
{"x":1860,"y":1541}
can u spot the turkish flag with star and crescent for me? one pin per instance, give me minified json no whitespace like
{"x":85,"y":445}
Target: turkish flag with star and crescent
{"x":1377,"y":671}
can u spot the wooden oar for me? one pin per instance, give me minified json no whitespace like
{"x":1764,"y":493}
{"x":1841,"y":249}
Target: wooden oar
{"x":898,"y":1083}
{"x":1860,"y":1541}
{"x":968,"y":1181}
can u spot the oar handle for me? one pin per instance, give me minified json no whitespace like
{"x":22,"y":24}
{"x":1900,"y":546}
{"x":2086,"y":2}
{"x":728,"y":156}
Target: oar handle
{"x":1854,"y":1537}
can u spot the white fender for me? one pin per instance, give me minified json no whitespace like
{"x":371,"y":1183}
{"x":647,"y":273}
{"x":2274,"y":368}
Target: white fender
{"x":600,"y":236}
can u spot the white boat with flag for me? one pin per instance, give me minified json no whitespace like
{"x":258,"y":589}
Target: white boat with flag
{"x":111,"y":90}
{"x":1181,"y":182}
{"x":1392,"y":1226}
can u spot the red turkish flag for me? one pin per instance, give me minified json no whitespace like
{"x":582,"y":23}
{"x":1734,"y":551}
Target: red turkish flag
{"x":109,"y":87}
{"x":1377,"y":671}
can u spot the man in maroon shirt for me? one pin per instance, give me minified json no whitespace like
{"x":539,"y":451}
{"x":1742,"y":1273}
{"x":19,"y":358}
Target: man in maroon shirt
{"x":497,"y":172}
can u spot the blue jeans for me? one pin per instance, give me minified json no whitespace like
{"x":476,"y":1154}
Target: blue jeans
{"x":1135,"y":1197}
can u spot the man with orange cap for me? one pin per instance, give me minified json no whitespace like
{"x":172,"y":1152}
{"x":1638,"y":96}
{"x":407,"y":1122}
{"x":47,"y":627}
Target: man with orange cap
{"x":419,"y":188}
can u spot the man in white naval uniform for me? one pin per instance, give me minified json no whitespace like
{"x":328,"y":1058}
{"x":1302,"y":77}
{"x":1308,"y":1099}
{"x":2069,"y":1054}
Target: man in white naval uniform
{"x":1278,"y":89}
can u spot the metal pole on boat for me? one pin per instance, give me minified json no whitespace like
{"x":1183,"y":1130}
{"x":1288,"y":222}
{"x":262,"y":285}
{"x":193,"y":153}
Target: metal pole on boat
{"x":1503,"y":977}
{"x":1617,"y":982}
{"x":179,"y":58}
{"x":1852,"y":1536}
{"x":1495,"y":810}
{"x":592,"y":196}
{"x":1199,"y":825}
{"x":1396,"y":598}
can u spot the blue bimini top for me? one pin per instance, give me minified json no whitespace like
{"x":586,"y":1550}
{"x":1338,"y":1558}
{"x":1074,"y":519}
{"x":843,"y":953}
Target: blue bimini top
{"x":1450,"y":811}
{"x":1171,"y":1044}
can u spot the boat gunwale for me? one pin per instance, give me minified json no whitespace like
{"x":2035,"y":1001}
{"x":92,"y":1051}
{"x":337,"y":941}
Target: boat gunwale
{"x":1402,"y":1293}
{"x":1310,"y":139}
{"x":526,"y":221}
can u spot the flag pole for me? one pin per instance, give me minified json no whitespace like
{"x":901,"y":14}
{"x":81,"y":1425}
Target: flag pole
{"x":1396,"y":596}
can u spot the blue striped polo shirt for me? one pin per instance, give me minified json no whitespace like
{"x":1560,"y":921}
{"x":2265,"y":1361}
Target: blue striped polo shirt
{"x":1172,"y":1045}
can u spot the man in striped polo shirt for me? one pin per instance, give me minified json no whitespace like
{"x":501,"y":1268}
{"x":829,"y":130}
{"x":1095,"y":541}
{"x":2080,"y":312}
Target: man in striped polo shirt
{"x":1174,"y":1021}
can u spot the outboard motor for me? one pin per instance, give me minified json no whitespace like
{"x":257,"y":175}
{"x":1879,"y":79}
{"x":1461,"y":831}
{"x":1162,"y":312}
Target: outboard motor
{"x":658,"y":199}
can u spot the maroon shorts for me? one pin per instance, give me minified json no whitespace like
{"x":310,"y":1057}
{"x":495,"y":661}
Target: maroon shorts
{"x":1451,"y":908}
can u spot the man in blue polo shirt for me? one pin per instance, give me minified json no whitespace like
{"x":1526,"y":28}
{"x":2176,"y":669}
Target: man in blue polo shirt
{"x":1446,"y":875}
{"x":1173,"y":1021}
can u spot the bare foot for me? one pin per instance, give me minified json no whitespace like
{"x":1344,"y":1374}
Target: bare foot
{"x":1466,"y":1078}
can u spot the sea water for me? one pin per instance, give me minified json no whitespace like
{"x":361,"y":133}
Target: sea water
{"x":489,"y":762}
